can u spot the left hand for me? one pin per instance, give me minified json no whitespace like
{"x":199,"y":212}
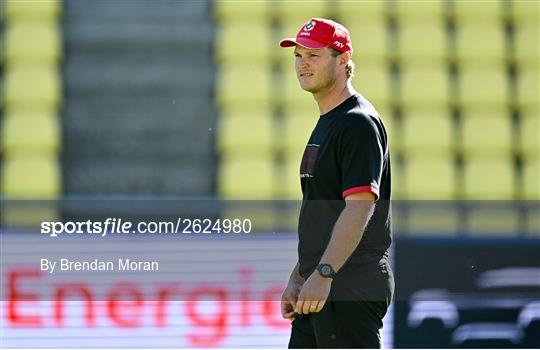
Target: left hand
{"x":313,"y":294}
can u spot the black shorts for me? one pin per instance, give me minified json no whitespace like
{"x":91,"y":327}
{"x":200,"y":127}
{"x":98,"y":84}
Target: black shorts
{"x":351,"y":318}
{"x":340,"y":324}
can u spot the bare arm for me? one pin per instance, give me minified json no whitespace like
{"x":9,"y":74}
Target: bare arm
{"x":349,"y":229}
{"x":346,"y":236}
{"x":295,"y":275}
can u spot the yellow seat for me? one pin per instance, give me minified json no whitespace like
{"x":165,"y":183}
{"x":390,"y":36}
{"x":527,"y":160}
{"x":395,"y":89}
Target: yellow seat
{"x":232,"y":47}
{"x":370,"y":39}
{"x":528,"y":91}
{"x":478,"y":11}
{"x":29,"y":214}
{"x":425,"y":85}
{"x":526,"y":43}
{"x":246,"y":177}
{"x":398,"y":179}
{"x":427,"y":131}
{"x":525,"y":11}
{"x":391,"y":126}
{"x":285,"y":56}
{"x":247,"y":85}
{"x":488,"y":178}
{"x":32,"y":87}
{"x":422,"y":41}
{"x":483,"y":87}
{"x":481,"y":42}
{"x":433,"y":220}
{"x":351,"y":12}
{"x":531,"y":178}
{"x":492,"y":221}
{"x":530,"y":135}
{"x":300,"y":12}
{"x":31,"y":133}
{"x":430,"y":177}
{"x":291,"y":94}
{"x":533,"y":223}
{"x":419,"y":11}
{"x":290,"y":187}
{"x":33,"y":43}
{"x":246,"y":132}
{"x":486,"y":134}
{"x":297,"y":128}
{"x":233,"y":12}
{"x":43,"y":10}
{"x":375,"y":83}
{"x":31,"y":177}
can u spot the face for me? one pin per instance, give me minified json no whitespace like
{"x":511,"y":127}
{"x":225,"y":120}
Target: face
{"x":317,"y":69}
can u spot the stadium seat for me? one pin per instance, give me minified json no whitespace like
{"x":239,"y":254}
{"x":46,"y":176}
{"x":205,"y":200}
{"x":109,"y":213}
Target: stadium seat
{"x":531,"y":179}
{"x":350,"y":12}
{"x":492,"y":221}
{"x":375,"y":83}
{"x":300,"y":12}
{"x":526,"y":43}
{"x":530,"y":135}
{"x":297,"y":128}
{"x":488,"y":133}
{"x":231,"y":45}
{"x":31,"y":177}
{"x":43,"y":10}
{"x":433,"y":219}
{"x":247,"y":85}
{"x":427,"y":131}
{"x":393,"y":129}
{"x":32,"y":43}
{"x":483,"y":87}
{"x":370,"y":39}
{"x":290,"y":185}
{"x":429,"y":177}
{"x":28,"y":132}
{"x":229,"y":12}
{"x":480,"y":42}
{"x":425,"y":85}
{"x":488,"y":178}
{"x":525,"y":11}
{"x":528,"y":90}
{"x":246,"y":132}
{"x":290,"y":94}
{"x":32,"y":87}
{"x":398,"y":181}
{"x":420,"y":11}
{"x":422,"y":41}
{"x":478,"y":11}
{"x":246,"y":177}
{"x":533,"y":223}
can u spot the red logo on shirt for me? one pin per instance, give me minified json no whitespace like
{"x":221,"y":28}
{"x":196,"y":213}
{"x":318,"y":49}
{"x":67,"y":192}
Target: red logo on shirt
{"x":308,"y":160}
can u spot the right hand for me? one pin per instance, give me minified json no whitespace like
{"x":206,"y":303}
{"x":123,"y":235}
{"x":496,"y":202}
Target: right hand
{"x":288,"y":299}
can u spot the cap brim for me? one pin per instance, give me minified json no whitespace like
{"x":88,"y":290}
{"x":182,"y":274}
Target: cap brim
{"x":304,"y":42}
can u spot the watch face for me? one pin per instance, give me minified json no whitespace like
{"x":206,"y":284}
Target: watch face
{"x":326,"y":270}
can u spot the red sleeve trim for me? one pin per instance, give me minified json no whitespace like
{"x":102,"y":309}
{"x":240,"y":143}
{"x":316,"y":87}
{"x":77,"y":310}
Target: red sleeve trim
{"x":358,"y":189}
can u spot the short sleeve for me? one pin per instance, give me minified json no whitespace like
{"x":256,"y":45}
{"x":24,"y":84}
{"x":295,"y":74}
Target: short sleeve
{"x":361,"y":158}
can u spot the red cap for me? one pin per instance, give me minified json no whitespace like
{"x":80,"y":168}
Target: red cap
{"x":319,"y":33}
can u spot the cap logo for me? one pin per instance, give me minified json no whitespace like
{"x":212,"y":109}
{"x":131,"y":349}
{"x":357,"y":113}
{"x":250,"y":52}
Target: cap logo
{"x":309,"y":26}
{"x":338,"y":44}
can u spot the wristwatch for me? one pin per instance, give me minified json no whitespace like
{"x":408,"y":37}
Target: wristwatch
{"x":326,"y":270}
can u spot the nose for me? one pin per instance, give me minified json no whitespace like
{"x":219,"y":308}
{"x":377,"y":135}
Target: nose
{"x":301,"y":63}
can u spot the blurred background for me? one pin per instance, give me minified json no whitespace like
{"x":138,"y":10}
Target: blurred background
{"x":195,"y":99}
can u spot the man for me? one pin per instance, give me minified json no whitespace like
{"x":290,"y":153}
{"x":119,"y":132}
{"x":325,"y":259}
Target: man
{"x":342,"y":285}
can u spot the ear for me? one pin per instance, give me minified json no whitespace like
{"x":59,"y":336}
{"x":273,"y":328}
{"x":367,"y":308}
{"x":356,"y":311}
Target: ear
{"x":345,"y":57}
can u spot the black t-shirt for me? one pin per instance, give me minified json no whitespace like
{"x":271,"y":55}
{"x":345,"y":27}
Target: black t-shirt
{"x":346,"y":153}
